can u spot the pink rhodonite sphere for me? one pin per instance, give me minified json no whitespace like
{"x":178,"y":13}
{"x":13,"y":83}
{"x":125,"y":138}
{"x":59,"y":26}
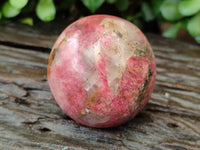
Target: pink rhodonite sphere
{"x":101,"y":71}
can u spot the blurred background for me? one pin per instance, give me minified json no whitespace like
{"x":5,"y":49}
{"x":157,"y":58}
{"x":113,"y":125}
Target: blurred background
{"x":170,"y":18}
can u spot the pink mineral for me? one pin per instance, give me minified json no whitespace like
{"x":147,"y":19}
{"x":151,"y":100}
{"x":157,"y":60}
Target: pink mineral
{"x":101,"y":71}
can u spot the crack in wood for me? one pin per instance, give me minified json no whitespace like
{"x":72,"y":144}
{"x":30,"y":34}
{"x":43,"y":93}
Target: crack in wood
{"x":23,"y":46}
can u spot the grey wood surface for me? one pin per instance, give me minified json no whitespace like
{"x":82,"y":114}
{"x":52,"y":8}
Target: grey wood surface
{"x":31,"y":119}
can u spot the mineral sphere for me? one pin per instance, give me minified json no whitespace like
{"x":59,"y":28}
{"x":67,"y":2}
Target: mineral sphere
{"x":101,"y":71}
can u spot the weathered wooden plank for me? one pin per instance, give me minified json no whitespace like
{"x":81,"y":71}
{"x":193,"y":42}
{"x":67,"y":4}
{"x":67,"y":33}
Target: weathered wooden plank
{"x":31,"y":119}
{"x":20,"y":34}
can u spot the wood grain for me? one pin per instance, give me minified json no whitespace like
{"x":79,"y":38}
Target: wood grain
{"x":31,"y":119}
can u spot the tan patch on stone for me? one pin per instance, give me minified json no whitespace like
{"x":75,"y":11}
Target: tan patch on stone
{"x":93,"y":98}
{"x":51,"y":58}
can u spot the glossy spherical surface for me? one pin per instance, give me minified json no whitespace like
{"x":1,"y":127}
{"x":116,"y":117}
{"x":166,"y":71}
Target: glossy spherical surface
{"x":101,"y":71}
